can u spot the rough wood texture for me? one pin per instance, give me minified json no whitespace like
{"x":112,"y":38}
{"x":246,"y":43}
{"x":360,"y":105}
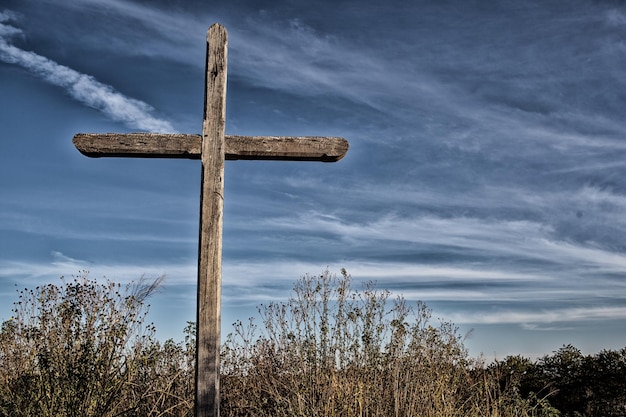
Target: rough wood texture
{"x":139,"y":145}
{"x":212,"y":147}
{"x":211,"y":218}
{"x":306,"y":148}
{"x":156,"y":145}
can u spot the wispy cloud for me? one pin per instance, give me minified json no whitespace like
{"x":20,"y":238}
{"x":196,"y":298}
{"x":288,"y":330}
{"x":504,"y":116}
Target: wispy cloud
{"x":530,"y":319}
{"x":495,"y":240}
{"x":415,"y":83}
{"x":82,"y":87}
{"x":171,"y":34}
{"x":484,"y":173}
{"x":34,"y":272}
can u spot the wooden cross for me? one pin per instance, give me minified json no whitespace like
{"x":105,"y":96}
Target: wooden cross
{"x":212,"y":147}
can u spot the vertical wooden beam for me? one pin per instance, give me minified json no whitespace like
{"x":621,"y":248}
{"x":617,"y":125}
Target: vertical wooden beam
{"x":211,"y":213}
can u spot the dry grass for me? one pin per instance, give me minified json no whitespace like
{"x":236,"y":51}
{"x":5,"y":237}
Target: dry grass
{"x":83,"y":349}
{"x":334,"y":351}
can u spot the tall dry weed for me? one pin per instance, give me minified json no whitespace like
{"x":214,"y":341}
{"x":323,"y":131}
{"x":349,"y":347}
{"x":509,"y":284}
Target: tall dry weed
{"x":83,"y":349}
{"x":333,"y":351}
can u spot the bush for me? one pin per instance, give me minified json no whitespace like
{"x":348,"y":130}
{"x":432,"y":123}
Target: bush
{"x":83,"y":349}
{"x":333,"y":351}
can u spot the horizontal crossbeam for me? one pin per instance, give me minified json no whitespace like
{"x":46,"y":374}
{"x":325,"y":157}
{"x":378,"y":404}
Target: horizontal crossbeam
{"x":185,"y":146}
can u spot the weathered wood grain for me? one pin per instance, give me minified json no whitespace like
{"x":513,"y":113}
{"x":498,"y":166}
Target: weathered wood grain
{"x":188,"y":146}
{"x":139,"y":145}
{"x":213,"y":147}
{"x":285,"y":148}
{"x":211,"y":217}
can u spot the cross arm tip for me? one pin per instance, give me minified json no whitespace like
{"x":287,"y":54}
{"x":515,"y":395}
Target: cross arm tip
{"x":344,"y":145}
{"x":339,"y":148}
{"x":81,"y":142}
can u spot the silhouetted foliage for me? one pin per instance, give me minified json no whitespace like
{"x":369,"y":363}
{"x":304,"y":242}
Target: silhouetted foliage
{"x":579,"y":385}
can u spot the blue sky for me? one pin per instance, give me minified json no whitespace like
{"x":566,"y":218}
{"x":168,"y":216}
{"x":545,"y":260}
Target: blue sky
{"x":486,"y":174}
